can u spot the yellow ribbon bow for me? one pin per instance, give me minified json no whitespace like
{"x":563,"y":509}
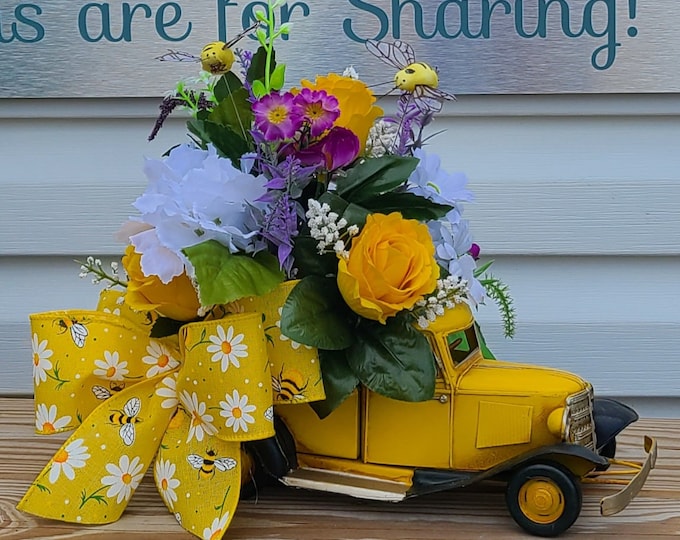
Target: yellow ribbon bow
{"x":188,"y":400}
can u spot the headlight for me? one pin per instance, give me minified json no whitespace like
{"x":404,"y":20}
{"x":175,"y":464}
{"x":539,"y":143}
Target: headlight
{"x":557,"y":422}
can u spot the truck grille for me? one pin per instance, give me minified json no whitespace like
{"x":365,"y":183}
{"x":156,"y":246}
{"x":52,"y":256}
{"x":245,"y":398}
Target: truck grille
{"x":580,"y":423}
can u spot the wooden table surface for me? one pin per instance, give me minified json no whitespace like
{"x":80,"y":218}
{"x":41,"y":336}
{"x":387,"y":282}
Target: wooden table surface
{"x":286,"y":514}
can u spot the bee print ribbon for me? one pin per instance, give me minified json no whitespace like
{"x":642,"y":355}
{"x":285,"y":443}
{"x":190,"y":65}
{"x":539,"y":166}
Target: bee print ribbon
{"x":188,"y":401}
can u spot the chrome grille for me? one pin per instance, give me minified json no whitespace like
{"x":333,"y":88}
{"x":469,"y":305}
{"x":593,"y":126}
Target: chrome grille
{"x":580,"y":423}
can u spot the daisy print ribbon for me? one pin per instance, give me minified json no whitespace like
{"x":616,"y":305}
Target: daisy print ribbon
{"x":181,"y":406}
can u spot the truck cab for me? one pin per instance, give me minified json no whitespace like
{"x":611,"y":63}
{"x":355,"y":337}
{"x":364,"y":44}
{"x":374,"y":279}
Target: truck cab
{"x":538,"y":429}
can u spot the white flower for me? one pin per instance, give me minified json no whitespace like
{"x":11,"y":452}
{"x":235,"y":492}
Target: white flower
{"x":431,"y":181}
{"x":168,"y":390}
{"x":227,"y":347}
{"x":166,"y":481}
{"x":160,"y":358}
{"x":46,"y":420}
{"x":111,"y":368}
{"x":123,"y":478}
{"x":73,"y":456}
{"x":237,"y":411}
{"x":350,"y":72}
{"x":193,"y":196}
{"x":41,"y":364}
{"x":216,"y":530}
{"x":201,"y":422}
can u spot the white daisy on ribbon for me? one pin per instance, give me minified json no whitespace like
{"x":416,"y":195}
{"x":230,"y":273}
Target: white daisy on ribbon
{"x":72,"y":456}
{"x":111,"y":368}
{"x":216,"y":529}
{"x":166,"y":481}
{"x":227,"y":347}
{"x":123,"y":478}
{"x":168,"y":390}
{"x":294,"y":344}
{"x":46,"y":420}
{"x":237,"y":411}
{"x":41,"y":363}
{"x":201,"y":421}
{"x":160,"y":358}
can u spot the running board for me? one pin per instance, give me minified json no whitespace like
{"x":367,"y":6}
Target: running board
{"x":354,"y":485}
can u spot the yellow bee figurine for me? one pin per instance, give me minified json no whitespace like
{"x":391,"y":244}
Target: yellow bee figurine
{"x":216,"y":57}
{"x":415,"y":78}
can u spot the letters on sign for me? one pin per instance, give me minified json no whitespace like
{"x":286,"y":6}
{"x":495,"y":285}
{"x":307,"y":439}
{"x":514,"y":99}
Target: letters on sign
{"x":562,"y":44}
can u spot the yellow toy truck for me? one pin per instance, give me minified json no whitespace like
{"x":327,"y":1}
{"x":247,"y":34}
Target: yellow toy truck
{"x":538,"y":429}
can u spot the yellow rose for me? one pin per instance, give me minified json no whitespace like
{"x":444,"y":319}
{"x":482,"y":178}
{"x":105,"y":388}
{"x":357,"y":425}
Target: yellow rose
{"x":356,"y":101}
{"x":177,"y":300}
{"x":390,"y":267}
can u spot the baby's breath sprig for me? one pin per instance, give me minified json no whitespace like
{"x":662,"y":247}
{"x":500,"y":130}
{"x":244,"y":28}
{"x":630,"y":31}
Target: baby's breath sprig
{"x":499,"y":292}
{"x":327,"y":229}
{"x":95,"y":267}
{"x":450,"y":291}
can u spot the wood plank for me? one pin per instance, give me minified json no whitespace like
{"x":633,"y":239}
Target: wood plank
{"x":286,"y":514}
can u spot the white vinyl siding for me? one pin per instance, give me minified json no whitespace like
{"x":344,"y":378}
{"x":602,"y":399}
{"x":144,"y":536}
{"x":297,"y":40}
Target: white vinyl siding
{"x":577,"y":201}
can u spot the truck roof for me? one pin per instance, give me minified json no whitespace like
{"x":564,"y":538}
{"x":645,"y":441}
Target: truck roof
{"x":457,"y":318}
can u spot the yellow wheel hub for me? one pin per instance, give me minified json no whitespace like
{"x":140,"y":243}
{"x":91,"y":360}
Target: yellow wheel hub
{"x":541,"y":500}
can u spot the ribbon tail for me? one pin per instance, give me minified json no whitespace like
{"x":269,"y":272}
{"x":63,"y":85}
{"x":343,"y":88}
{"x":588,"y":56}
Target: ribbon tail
{"x":95,"y":472}
{"x":200,"y":481}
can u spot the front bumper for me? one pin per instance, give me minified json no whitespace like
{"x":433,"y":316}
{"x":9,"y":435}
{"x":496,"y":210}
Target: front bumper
{"x":632,"y":475}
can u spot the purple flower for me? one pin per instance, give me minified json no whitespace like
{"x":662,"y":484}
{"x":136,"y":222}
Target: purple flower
{"x":276,"y":116}
{"x":337,"y":149}
{"x":474,"y":251}
{"x":280,"y":227}
{"x":318,"y":108}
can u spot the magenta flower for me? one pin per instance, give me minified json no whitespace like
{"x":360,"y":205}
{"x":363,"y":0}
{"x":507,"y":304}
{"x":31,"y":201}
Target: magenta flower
{"x":276,"y":116}
{"x":318,"y":108}
{"x":339,"y":147}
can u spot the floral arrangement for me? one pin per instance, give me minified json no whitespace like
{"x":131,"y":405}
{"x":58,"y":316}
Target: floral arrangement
{"x":314,"y":184}
{"x":302,"y":218}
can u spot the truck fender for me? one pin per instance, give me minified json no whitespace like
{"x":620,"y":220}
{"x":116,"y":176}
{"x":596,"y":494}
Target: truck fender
{"x":578,"y":459}
{"x":611,"y":417}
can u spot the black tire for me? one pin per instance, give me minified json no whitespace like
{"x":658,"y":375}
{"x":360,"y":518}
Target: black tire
{"x":270,"y":459}
{"x":544,"y":499}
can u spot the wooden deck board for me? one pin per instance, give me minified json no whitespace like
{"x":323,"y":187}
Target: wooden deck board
{"x":287,"y":514}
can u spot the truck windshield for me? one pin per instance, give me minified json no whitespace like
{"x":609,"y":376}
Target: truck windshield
{"x":461,"y":344}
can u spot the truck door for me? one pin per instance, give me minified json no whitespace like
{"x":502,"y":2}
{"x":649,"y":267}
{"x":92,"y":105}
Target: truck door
{"x":409,"y":434}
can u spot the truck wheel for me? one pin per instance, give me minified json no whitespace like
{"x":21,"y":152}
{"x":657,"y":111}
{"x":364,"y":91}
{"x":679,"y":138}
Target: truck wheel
{"x":544,"y":499}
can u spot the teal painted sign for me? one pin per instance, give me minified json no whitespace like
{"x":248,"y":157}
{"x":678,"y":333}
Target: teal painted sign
{"x":55,"y":48}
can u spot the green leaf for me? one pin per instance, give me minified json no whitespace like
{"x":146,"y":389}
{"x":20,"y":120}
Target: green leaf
{"x":197,"y":128}
{"x":484,"y":349}
{"x":258,"y":89}
{"x":355,"y":215}
{"x":164,"y":326}
{"x":337,"y":203}
{"x":278,"y":77}
{"x":339,"y":381}
{"x":315,"y":314}
{"x":393,"y":359}
{"x":226,"y":85}
{"x":224,"y":277}
{"x":258,"y":65}
{"x":373,"y":177}
{"x":410,"y":205}
{"x":308,"y":260}
{"x":228,"y":143}
{"x":234,"y":112}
